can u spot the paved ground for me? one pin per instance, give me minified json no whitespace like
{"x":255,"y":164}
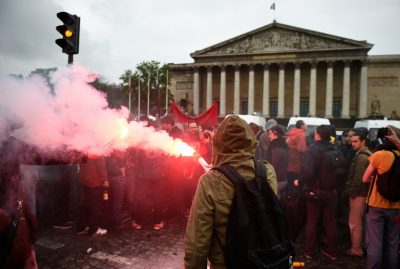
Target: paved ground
{"x":126,"y":248}
{"x":145,"y":249}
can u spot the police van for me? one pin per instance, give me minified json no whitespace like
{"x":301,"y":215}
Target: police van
{"x":374,"y":125}
{"x":311,"y":122}
{"x":259,"y":120}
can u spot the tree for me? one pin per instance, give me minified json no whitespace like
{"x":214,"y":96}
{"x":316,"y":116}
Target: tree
{"x":116,"y":97}
{"x":148,"y":73}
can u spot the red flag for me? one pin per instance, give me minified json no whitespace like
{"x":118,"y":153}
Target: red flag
{"x":210,"y":117}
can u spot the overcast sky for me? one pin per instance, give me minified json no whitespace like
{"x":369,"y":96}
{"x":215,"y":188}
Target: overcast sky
{"x":116,"y":35}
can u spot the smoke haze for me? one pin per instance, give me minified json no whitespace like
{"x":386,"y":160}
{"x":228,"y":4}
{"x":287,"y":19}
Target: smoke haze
{"x":73,"y":115}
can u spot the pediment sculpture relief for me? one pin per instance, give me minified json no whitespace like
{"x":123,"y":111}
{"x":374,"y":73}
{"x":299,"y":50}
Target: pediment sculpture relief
{"x":277,"y":40}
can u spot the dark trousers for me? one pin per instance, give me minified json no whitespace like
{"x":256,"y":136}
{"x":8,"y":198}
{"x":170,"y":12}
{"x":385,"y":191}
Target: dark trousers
{"x":92,"y":210}
{"x":149,"y":200}
{"x":117,"y":195}
{"x":317,"y":211}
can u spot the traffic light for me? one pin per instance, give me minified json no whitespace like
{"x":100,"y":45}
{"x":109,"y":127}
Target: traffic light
{"x":70,"y":32}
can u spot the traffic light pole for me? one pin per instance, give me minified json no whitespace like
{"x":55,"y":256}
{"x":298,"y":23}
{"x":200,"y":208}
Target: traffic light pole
{"x":70,"y":58}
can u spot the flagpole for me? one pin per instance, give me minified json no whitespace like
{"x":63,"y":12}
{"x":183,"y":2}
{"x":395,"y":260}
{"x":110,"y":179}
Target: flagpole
{"x":139,"y":97}
{"x":166,"y":95}
{"x":129,"y":94}
{"x":274,"y":8}
{"x":148,"y":94}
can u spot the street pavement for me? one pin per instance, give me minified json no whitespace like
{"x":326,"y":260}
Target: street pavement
{"x":148,"y":249}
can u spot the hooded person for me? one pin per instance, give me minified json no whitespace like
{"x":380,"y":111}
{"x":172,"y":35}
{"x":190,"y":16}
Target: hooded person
{"x":17,"y":223}
{"x":296,"y":141}
{"x":234,"y":143}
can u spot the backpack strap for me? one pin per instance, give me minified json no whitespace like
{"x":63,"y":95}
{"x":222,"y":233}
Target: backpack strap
{"x":230,"y":173}
{"x":236,"y":178}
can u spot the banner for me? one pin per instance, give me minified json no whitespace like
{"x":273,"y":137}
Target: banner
{"x":208,"y":118}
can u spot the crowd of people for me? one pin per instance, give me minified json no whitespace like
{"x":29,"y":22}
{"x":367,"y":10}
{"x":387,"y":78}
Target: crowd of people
{"x":301,"y":173}
{"x":141,"y":187}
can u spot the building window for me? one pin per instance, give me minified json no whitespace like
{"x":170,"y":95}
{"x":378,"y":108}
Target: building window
{"x":336,"y":108}
{"x":273,"y":104}
{"x":245,"y":107}
{"x":304,"y":105}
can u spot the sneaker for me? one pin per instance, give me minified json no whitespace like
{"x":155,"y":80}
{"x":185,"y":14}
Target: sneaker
{"x":159,"y":226}
{"x":99,"y":232}
{"x":136,"y":225}
{"x":329,"y":256}
{"x":350,"y":252}
{"x":84,"y":231}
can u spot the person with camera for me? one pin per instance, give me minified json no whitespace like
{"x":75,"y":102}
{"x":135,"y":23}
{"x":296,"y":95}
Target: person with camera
{"x":382,"y":233}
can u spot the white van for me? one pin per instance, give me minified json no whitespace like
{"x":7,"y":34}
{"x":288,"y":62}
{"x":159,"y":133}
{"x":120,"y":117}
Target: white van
{"x":311,"y":122}
{"x":374,"y":125}
{"x":259,"y":120}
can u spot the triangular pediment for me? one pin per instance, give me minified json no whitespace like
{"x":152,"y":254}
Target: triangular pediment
{"x":280,"y":38}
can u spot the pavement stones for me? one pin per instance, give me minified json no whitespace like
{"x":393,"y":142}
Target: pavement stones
{"x":126,"y":248}
{"x":148,"y":249}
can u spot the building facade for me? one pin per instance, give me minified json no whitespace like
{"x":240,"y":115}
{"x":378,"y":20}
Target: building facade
{"x":281,"y":71}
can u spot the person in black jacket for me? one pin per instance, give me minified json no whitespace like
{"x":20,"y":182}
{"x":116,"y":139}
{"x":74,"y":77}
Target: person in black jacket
{"x":278,"y":155}
{"x":320,"y":202}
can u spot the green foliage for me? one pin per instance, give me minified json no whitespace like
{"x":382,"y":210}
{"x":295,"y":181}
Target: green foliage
{"x":116,"y":97}
{"x":149,"y":75}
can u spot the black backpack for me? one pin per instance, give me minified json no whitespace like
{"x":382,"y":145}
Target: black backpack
{"x":388,"y":183}
{"x":257,"y":234}
{"x":332,"y":166}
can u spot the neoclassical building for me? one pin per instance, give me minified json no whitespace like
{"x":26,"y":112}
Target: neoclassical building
{"x":280,"y":71}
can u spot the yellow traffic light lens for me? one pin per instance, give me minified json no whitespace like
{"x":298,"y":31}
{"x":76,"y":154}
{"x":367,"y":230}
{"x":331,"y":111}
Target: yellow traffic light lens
{"x":68,"y":33}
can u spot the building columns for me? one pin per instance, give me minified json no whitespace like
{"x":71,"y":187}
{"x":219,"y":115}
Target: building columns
{"x":236,"y":91}
{"x":222,"y":92}
{"x":312,"y":111}
{"x":281,"y":91}
{"x":362,"y":111}
{"x":250,"y":101}
{"x":265,"y":103}
{"x":346,"y":91}
{"x":196,"y":91}
{"x":296,"y":90}
{"x":209,"y":87}
{"x":329,"y":91}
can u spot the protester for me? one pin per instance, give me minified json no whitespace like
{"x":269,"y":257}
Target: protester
{"x":150,"y":190}
{"x":234,"y":144}
{"x":115,"y":164}
{"x":357,"y":191}
{"x":205,"y":149}
{"x":296,"y":141}
{"x":264,"y":142}
{"x":16,"y":244}
{"x":383,"y":232}
{"x":320,"y":201}
{"x":192,"y":170}
{"x":94,"y":179}
{"x":174,"y":177}
{"x":394,"y":136}
{"x":259,"y":133}
{"x":278,"y":156}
